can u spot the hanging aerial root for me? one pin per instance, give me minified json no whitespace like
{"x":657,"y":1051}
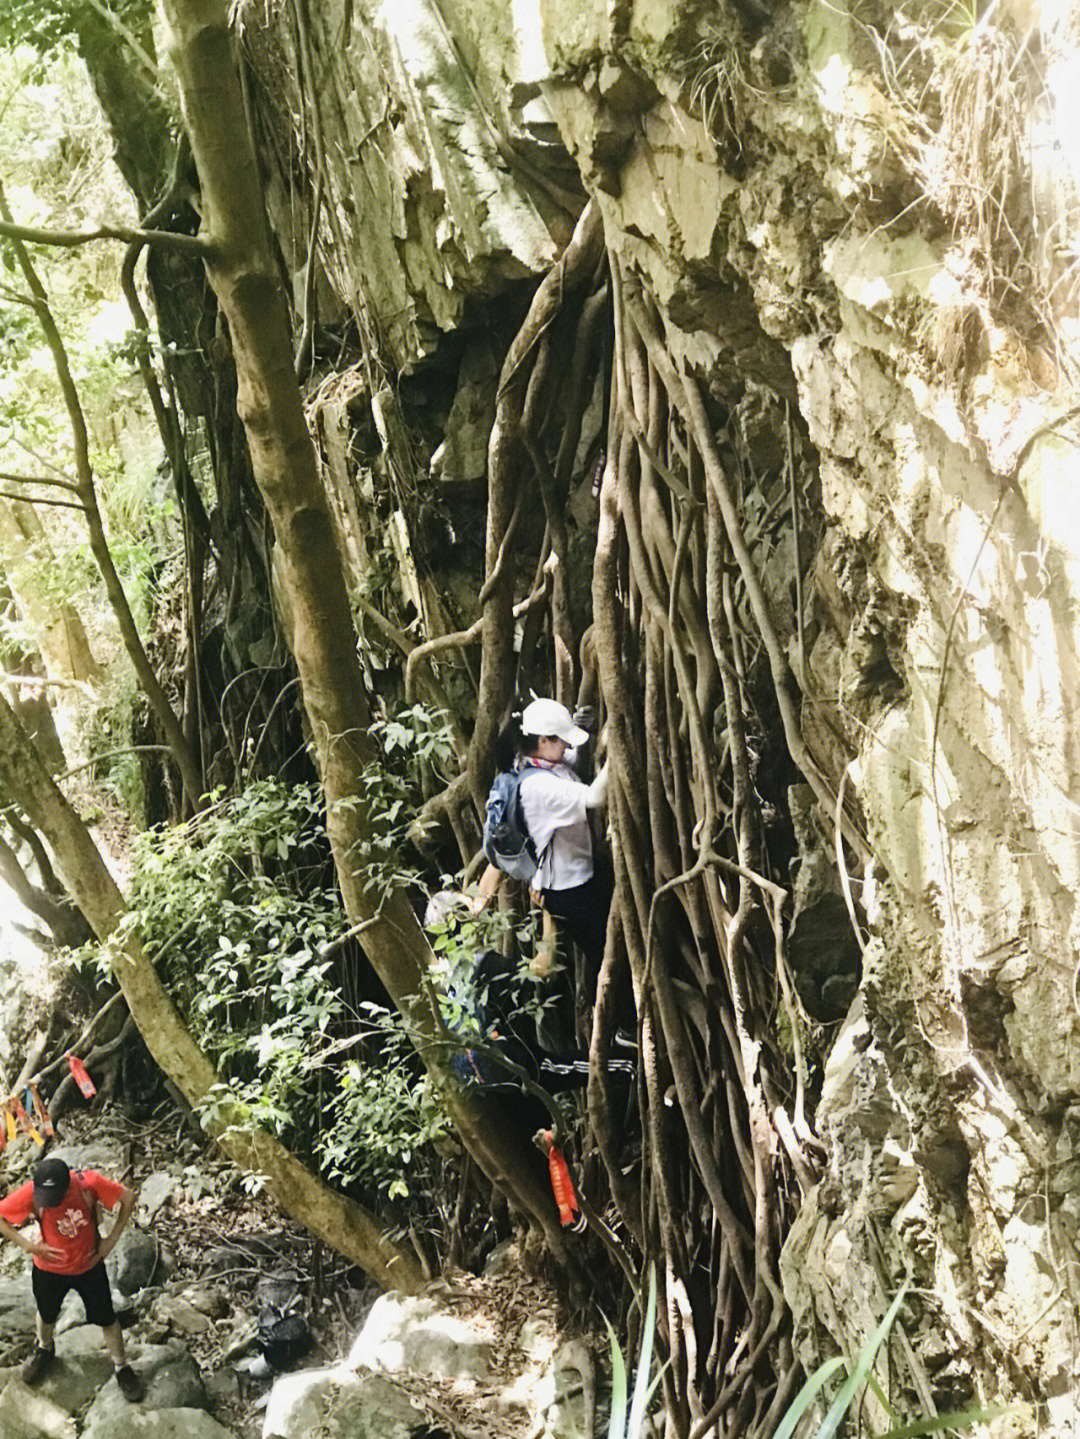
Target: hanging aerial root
{"x":577,"y":264}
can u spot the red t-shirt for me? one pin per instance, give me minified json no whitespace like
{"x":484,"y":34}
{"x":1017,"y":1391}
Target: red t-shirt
{"x":70,"y":1225}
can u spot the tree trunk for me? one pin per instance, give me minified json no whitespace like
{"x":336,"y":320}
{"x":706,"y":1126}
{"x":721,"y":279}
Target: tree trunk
{"x":57,"y":627}
{"x":335,"y":1219}
{"x":245,"y":278}
{"x":68,"y":926}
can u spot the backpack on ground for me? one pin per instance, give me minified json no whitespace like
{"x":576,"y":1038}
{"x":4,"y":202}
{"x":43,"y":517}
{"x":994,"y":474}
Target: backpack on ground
{"x":507,"y":842}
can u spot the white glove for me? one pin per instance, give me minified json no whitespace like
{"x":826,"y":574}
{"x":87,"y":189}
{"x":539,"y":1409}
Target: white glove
{"x":597,"y":793}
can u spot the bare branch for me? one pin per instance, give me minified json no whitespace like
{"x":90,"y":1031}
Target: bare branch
{"x":41,"y":500}
{"x":39,"y":480}
{"x":71,"y":239}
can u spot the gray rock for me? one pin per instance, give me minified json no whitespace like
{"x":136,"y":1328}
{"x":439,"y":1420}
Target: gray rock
{"x":223,"y":1387}
{"x":82,"y":1366}
{"x":28,"y":1414}
{"x":415,"y":1334}
{"x":502,"y":1259}
{"x":136,"y":1422}
{"x":155,"y":1191}
{"x":462,"y":456}
{"x":336,"y":1404}
{"x":17,"y":1310}
{"x":105,"y":1158}
{"x":173,"y":1384}
{"x":136,"y":1260}
{"x":566,"y":1393}
{"x":208,"y":1299}
{"x":180,"y":1315}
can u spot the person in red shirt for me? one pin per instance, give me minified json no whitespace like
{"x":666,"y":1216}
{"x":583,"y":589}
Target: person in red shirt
{"x":69,"y":1253}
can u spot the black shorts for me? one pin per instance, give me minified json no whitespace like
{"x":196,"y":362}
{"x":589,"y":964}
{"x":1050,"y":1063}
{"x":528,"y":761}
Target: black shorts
{"x":91,"y":1287}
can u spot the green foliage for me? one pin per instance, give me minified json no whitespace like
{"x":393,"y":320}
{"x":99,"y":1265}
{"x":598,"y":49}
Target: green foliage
{"x":380,"y":1120}
{"x":456,"y":943}
{"x":110,"y":733}
{"x":415,"y":742}
{"x":49,"y":24}
{"x":228,"y":902}
{"x":239,"y":908}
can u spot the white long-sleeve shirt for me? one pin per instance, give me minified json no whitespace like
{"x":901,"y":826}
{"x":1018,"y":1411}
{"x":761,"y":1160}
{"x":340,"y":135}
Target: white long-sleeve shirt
{"x":555,"y":805}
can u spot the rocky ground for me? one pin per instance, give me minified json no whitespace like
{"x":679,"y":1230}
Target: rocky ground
{"x":200,"y":1276}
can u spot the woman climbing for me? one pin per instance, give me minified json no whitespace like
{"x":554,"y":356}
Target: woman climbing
{"x":555,"y":805}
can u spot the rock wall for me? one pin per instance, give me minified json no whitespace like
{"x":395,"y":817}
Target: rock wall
{"x":813,"y":197}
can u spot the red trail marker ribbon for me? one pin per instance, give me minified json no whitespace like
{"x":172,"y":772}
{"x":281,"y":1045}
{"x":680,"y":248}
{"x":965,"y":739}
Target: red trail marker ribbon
{"x":79,"y":1074}
{"x":562,"y":1186}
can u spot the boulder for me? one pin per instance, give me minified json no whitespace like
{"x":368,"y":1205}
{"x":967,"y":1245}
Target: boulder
{"x":136,"y":1422}
{"x":337,"y":1404}
{"x":105,"y":1158}
{"x":82,"y":1367}
{"x":173,"y":1385}
{"x":17,"y":1310}
{"x":28,"y":1414}
{"x":565,"y":1394}
{"x":155,"y":1191}
{"x":414,"y":1333}
{"x":136,"y":1260}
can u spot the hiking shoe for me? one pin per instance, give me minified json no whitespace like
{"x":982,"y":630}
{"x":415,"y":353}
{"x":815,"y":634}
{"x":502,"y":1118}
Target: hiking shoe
{"x":36,"y":1365}
{"x":131,"y":1386}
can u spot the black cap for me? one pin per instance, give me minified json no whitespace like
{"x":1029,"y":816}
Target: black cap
{"x":51,"y":1180}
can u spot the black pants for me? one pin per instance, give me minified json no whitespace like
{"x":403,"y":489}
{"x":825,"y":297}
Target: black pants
{"x":580,"y":917}
{"x":92,"y":1287}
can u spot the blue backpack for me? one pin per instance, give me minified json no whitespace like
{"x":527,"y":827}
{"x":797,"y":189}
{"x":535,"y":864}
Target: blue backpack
{"x":507,"y":842}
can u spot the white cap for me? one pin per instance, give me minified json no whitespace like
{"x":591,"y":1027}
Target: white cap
{"x":549,"y":717}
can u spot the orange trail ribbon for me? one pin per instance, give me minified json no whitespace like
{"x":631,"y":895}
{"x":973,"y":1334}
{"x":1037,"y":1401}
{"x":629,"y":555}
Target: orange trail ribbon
{"x":41,"y":1114}
{"x":79,"y":1074}
{"x":562,"y":1186}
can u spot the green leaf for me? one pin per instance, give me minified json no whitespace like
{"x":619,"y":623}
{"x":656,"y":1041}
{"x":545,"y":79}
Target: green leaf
{"x":863,"y":1364}
{"x":617,"y":1422}
{"x":806,"y":1396}
{"x":641,"y":1380}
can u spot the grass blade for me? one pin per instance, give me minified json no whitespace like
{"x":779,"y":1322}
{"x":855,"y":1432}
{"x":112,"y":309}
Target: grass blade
{"x":806,"y":1396}
{"x":641,"y":1379}
{"x":957,"y":1419}
{"x":617,"y":1422}
{"x":863,"y":1364}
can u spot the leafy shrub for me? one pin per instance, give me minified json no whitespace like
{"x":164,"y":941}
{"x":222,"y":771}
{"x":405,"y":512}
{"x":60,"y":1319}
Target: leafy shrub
{"x":240,"y":910}
{"x":381,"y":1120}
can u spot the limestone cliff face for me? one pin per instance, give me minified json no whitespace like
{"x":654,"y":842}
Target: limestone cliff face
{"x":815,"y":198}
